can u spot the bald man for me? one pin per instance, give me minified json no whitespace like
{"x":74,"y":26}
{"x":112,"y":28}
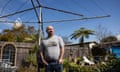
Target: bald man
{"x":52,"y":51}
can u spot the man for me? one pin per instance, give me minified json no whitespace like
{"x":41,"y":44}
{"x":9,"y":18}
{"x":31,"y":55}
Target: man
{"x":52,"y":51}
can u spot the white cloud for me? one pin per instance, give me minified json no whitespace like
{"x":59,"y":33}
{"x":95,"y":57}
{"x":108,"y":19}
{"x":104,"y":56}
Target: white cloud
{"x":118,"y":36}
{"x":6,"y":23}
{"x":10,"y":24}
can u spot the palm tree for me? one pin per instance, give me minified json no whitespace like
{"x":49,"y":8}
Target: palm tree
{"x":82,"y":33}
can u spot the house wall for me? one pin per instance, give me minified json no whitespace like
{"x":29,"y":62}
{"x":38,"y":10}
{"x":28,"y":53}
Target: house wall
{"x":75,"y":50}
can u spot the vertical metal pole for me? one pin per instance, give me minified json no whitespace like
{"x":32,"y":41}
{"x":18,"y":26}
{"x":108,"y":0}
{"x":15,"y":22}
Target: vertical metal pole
{"x":39,"y":21}
{"x":40,"y":26}
{"x":39,"y":17}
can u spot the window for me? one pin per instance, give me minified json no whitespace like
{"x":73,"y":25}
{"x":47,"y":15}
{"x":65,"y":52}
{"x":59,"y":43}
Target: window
{"x":8,"y":53}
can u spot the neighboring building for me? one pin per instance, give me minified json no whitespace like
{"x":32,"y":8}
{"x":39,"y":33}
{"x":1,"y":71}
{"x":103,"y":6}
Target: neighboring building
{"x":78,"y":51}
{"x":112,"y":47}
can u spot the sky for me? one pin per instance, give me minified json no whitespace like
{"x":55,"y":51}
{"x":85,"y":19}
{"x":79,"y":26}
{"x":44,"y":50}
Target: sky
{"x":88,"y":8}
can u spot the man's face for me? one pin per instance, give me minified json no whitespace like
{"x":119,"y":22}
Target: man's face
{"x":50,"y":30}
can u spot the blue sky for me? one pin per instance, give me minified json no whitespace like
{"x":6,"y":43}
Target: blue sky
{"x":89,"y":8}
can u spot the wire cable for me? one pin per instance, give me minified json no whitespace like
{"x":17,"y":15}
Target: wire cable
{"x":85,"y":18}
{"x":18,"y":12}
{"x":67,"y":12}
{"x":59,"y":10}
{"x":3,"y":8}
{"x":38,"y":3}
{"x":77,"y":4}
{"x":22,"y":5}
{"x":94,"y":2}
{"x":67,"y":20}
{"x":35,"y":10}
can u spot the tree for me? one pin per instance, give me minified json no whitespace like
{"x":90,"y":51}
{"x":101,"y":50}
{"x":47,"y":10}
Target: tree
{"x":81,"y":34}
{"x":7,"y":35}
{"x":101,"y":32}
{"x":109,"y":39}
{"x":31,"y":30}
{"x":33,"y":35}
{"x":20,"y":33}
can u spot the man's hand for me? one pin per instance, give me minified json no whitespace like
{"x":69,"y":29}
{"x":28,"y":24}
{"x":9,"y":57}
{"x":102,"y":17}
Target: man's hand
{"x":60,"y":61}
{"x":45,"y":62}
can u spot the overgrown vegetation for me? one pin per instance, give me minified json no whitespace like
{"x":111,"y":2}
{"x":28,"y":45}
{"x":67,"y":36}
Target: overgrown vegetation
{"x":112,"y":65}
{"x":21,"y":34}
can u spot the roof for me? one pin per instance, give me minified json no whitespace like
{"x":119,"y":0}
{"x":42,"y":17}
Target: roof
{"x":109,"y":44}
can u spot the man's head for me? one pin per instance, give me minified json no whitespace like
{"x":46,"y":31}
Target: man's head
{"x":50,"y":30}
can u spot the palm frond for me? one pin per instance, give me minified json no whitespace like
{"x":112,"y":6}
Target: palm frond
{"x":82,"y":32}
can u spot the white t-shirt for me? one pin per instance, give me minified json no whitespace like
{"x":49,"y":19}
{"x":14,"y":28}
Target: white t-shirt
{"x":51,"y":47}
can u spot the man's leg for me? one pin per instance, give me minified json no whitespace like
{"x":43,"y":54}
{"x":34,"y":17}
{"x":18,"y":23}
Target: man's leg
{"x":49,"y":68}
{"x":58,"y":68}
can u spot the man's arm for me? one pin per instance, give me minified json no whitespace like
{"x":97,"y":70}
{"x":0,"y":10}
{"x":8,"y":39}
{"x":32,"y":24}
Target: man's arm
{"x":41,"y":53}
{"x":61,"y":45}
{"x":42,"y":58}
{"x":61,"y":55}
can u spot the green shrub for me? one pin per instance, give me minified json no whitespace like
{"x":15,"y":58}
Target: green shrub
{"x":112,"y":66}
{"x":72,"y":67}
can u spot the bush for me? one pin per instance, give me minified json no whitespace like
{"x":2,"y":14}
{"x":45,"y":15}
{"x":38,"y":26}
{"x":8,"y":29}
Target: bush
{"x":112,"y":66}
{"x":72,"y":67}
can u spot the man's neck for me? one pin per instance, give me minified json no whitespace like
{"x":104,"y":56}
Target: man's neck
{"x":49,"y":36}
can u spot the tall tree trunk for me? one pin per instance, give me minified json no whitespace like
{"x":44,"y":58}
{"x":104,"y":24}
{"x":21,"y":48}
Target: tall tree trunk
{"x":82,"y":45}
